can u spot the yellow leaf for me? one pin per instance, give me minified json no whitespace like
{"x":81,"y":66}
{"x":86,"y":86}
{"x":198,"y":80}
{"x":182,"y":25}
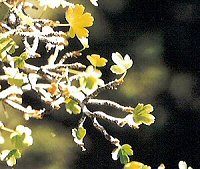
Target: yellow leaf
{"x":96,"y":60}
{"x":78,"y":21}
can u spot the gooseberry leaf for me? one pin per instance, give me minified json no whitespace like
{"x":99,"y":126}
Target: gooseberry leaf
{"x":96,"y":60}
{"x":17,"y":140}
{"x":81,"y":132}
{"x":142,"y":114}
{"x":79,"y":136}
{"x":19,"y":62}
{"x":183,"y":165}
{"x":10,"y":156}
{"x":123,"y":157}
{"x":127,"y":149}
{"x":7,"y":45}
{"x":122,"y":152}
{"x":90,"y":82}
{"x":21,"y":137}
{"x":16,"y":82}
{"x":72,"y":106}
{"x":117,"y":69}
{"x":136,"y":165}
{"x":15,"y":152}
{"x":122,"y":64}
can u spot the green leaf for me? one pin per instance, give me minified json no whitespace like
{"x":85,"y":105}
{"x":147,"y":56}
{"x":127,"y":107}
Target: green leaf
{"x":7,"y":45}
{"x":139,"y":108}
{"x":148,"y":108}
{"x":122,"y":152}
{"x":24,"y":55}
{"x":145,"y":118}
{"x":72,"y":106}
{"x":10,"y":156}
{"x":15,"y":152}
{"x":12,"y":47}
{"x":123,"y":157}
{"x":79,"y":136}
{"x":127,"y":149}
{"x":142,"y":114}
{"x":91,"y":82}
{"x":81,"y":133}
{"x":16,"y":82}
{"x":17,"y":140}
{"x":19,"y":62}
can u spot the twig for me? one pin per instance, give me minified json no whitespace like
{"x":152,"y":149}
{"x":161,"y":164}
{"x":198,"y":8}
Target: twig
{"x":109,"y":86}
{"x":29,"y":111}
{"x":10,"y":90}
{"x":81,"y":121}
{"x":112,"y":104}
{"x":108,"y":137}
{"x":99,"y":114}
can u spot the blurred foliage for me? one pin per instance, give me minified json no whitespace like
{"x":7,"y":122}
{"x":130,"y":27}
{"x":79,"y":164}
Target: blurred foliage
{"x":53,"y":147}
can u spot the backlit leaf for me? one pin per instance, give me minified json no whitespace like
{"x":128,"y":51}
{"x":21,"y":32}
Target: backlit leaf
{"x":16,"y":82}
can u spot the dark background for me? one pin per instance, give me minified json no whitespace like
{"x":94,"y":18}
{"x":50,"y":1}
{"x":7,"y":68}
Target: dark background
{"x":171,"y":30}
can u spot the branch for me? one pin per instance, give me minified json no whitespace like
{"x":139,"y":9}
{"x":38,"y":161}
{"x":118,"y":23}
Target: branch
{"x":108,"y":137}
{"x":70,"y":55}
{"x":99,"y":114}
{"x":112,"y":104}
{"x":28,"y":112}
{"x":109,"y":86}
{"x":10,"y":90}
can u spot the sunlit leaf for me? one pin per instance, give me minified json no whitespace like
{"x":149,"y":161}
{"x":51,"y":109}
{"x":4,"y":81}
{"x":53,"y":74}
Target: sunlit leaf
{"x":15,"y":152}
{"x":7,"y":45}
{"x":79,"y":136}
{"x":79,"y":21}
{"x":123,"y":157}
{"x":122,"y":64}
{"x":81,"y":133}
{"x":136,"y":165}
{"x":96,"y":60}
{"x":10,"y":156}
{"x":17,"y":140}
{"x":142,"y":114}
{"x":127,"y":149}
{"x":72,"y":107}
{"x":117,"y":69}
{"x":183,"y":165}
{"x":19,"y":62}
{"x":90,"y":80}
{"x":16,"y":82}
{"x":21,"y":137}
{"x":122,"y":152}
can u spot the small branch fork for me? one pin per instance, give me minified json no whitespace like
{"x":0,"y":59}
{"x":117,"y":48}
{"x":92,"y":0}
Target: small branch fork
{"x":95,"y":115}
{"x":108,"y":137}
